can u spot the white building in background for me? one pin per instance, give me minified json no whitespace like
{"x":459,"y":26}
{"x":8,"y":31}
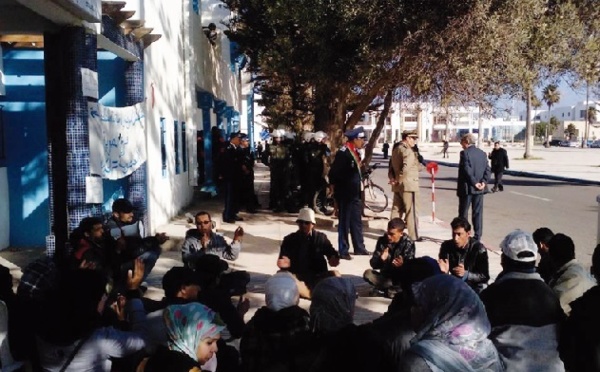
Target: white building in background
{"x":569,"y":115}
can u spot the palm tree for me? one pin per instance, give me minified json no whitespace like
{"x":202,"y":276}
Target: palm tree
{"x":551,"y":96}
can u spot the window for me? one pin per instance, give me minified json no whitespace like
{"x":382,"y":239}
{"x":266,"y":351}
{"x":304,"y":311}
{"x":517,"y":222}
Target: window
{"x":581,"y":114}
{"x":163,"y":147}
{"x":184,"y":147}
{"x":176,"y":147}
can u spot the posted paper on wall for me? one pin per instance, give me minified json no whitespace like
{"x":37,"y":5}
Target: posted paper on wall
{"x":94,"y":193}
{"x":117,"y":140}
{"x":89,"y":82}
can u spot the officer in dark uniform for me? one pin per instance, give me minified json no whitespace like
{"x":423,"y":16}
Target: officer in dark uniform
{"x":313,"y":164}
{"x":345,"y":176}
{"x":277,"y":158}
{"x":232,"y":178}
{"x":248,"y":198}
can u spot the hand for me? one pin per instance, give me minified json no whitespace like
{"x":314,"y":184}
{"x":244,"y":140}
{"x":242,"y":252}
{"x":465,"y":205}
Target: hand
{"x":385,"y":254}
{"x":204,"y":240}
{"x":459,"y":270}
{"x":238,"y":234}
{"x":283,"y":263}
{"x":243,"y":305}
{"x":444,"y":265}
{"x":398,"y":261}
{"x":480,"y":185}
{"x":87,"y":265}
{"x":134,"y":279}
{"x":334,"y":261}
{"x":119,"y":307}
{"x":162,"y":237}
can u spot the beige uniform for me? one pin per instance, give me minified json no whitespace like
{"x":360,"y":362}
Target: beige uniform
{"x":404,"y":169}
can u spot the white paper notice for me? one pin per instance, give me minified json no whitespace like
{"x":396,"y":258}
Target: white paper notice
{"x":89,"y":82}
{"x":93,"y":190}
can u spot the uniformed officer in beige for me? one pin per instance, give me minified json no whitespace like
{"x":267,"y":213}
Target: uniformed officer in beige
{"x":404,"y":177}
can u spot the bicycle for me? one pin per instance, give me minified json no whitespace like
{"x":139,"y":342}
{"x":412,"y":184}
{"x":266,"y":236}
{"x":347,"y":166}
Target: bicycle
{"x":374,"y":197}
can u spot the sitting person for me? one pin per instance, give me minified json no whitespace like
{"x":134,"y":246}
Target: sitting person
{"x":193,"y":330}
{"x":451,"y":329}
{"x":391,"y":252}
{"x":129,"y":240}
{"x":303,"y":254}
{"x":524,"y":313}
{"x":278,"y":337}
{"x":570,"y":280}
{"x":465,"y":257}
{"x":579,"y":344}
{"x":541,"y":237}
{"x":14,"y":343}
{"x":202,"y":242}
{"x":89,"y":247}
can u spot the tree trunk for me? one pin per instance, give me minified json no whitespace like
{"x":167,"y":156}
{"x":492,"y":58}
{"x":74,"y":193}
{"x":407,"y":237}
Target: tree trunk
{"x":366,"y":100}
{"x":330,"y":113}
{"x":387,"y":103}
{"x":528,"y":133}
{"x":479,"y":126}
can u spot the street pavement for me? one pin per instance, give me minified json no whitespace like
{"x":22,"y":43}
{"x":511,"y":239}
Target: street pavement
{"x":265,"y":230}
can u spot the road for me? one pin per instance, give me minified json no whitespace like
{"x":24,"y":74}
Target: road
{"x":525,"y":203}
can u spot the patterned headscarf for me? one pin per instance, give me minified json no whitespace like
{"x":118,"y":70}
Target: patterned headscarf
{"x":332,"y":304}
{"x":188,"y":325}
{"x":453,"y":335}
{"x":281,"y":291}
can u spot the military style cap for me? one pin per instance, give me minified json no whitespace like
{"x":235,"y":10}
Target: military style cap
{"x":358,"y":132}
{"x":236,"y":135}
{"x":410,"y":133}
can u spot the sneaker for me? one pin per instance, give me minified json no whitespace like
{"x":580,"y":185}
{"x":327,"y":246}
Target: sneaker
{"x":362,"y":253}
{"x":345,"y":256}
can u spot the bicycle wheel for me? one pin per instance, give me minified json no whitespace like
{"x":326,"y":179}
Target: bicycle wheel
{"x":376,"y":199}
{"x":323,"y":202}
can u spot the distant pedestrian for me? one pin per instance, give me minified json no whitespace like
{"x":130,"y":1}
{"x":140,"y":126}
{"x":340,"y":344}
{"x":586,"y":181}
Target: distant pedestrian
{"x":259,"y":149}
{"x":445,"y":149}
{"x":385,"y":148}
{"x":473,"y":176}
{"x":499,"y":159}
{"x":232,"y":177}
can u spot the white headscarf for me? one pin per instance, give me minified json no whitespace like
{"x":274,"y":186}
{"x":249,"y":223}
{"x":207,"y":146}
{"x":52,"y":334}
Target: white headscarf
{"x":281,"y":291}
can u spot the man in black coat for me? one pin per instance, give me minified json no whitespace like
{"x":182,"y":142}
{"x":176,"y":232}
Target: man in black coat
{"x":473,"y":176}
{"x":232,"y":177}
{"x":499,"y":159}
{"x":465,"y":257}
{"x":303,"y":253}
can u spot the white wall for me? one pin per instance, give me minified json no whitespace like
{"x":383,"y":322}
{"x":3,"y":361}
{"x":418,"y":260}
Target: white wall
{"x":4,"y":217}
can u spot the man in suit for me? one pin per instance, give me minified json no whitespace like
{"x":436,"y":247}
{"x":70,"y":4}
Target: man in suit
{"x":403,"y":175}
{"x":473,"y":176}
{"x":499,"y":159}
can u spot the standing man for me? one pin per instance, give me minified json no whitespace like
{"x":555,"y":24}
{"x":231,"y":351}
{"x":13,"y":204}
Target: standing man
{"x":465,"y":257}
{"x":473,"y":176}
{"x":499,"y":159}
{"x":303,"y":254}
{"x":277,"y":158}
{"x":232,"y":177}
{"x":248,"y":197}
{"x":385,"y":148}
{"x":404,"y":178}
{"x":345,"y":176}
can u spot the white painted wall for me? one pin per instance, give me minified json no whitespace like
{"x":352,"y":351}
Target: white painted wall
{"x":2,"y":88}
{"x":4,"y":217}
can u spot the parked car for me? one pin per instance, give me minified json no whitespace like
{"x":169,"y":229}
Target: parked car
{"x":554,"y":142}
{"x":570,"y":144}
{"x":595,"y":144}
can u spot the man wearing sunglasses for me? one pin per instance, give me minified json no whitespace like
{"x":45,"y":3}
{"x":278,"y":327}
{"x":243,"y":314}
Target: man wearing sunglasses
{"x":303,"y":254}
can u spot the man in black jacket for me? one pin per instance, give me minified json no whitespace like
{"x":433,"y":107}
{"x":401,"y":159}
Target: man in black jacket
{"x":391,"y":252}
{"x":303,"y":254}
{"x":499,"y":159}
{"x":465,"y":257}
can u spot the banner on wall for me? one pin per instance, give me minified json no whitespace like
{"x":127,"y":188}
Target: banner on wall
{"x":117,"y":140}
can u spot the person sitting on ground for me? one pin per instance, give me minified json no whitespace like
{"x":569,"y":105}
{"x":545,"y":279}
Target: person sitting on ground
{"x":89,"y":248}
{"x":465,"y":257}
{"x":524,"y":312}
{"x":541,"y":237}
{"x":14,"y":343}
{"x":342,"y":345}
{"x":203,"y":241}
{"x":580,"y":341}
{"x":193,"y":330}
{"x":451,"y":329}
{"x":278,"y":337}
{"x":393,"y":249}
{"x":303,"y":254}
{"x":571,"y":280}
{"x":128,"y":236}
{"x":71,"y":336}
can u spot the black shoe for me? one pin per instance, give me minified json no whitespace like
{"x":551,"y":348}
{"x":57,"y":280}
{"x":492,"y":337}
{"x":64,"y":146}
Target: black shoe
{"x":237,"y":218}
{"x":362,"y":253}
{"x":229,"y":221}
{"x":419,"y":239}
{"x":345,"y":256}
{"x":494,"y":189}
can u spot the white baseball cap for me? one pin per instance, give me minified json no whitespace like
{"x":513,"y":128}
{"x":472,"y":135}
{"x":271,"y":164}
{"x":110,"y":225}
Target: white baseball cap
{"x":307,"y":215}
{"x":519,"y":246}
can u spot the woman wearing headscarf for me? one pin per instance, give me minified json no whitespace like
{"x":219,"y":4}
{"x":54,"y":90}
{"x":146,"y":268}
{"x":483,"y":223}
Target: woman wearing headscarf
{"x":193,"y":330}
{"x":278,"y":336}
{"x":343,"y":346}
{"x":451,"y":328}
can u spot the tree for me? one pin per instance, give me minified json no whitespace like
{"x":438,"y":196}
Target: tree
{"x":536,"y":104}
{"x":571,"y":130}
{"x":551,"y":96}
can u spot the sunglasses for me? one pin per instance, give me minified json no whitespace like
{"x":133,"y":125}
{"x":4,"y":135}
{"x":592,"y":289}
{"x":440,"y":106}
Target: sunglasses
{"x":203,"y":223}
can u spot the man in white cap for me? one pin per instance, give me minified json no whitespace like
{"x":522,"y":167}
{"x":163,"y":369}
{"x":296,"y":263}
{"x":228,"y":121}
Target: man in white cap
{"x":303,"y":254}
{"x":523,"y":311}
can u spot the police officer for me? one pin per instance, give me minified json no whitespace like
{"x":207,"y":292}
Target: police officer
{"x":232,"y":177}
{"x":345,"y":176}
{"x":277,"y":158}
{"x":313,"y":156}
{"x":248,"y":197}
